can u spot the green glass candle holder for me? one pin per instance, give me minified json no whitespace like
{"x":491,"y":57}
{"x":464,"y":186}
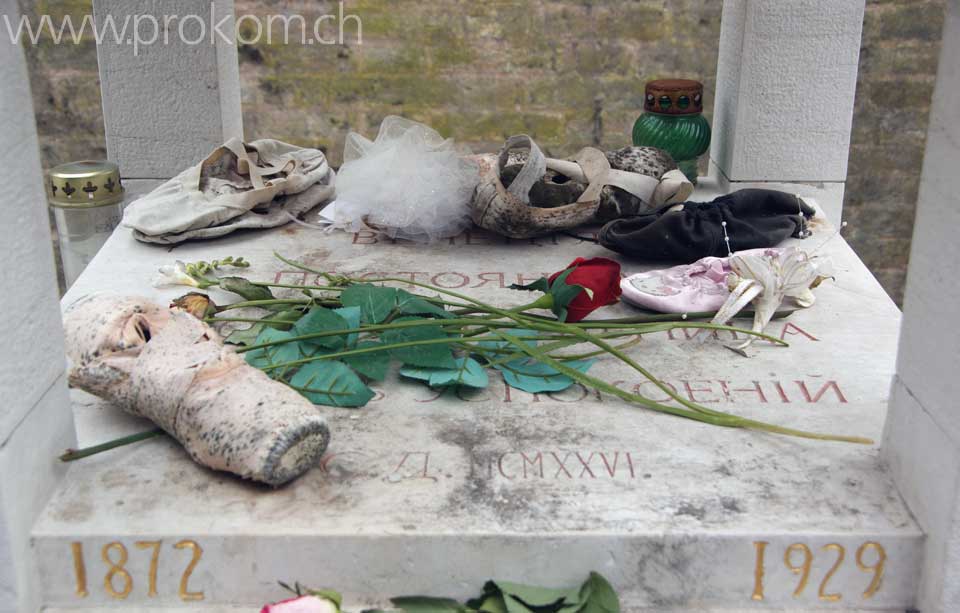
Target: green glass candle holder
{"x":673,"y":121}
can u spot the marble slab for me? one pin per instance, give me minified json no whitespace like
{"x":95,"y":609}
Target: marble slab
{"x":434,"y":493}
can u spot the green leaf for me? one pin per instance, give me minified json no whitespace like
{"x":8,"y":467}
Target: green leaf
{"x":540,"y":285}
{"x":526,"y":598}
{"x":331,"y":595}
{"x":563,"y":294}
{"x":426,"y":604}
{"x":518,"y":332}
{"x":248,"y":336}
{"x":534,"y":377}
{"x":430,"y":356}
{"x":371,"y":365}
{"x":352,"y":316}
{"x":599,"y":596}
{"x":275,"y":354}
{"x":468,"y":372}
{"x":291,"y":315}
{"x":490,"y":590}
{"x":410,"y":304}
{"x":375,"y":302}
{"x":245,"y":289}
{"x":320,"y":319}
{"x":493,"y":604}
{"x":331,"y":383}
{"x":539,"y":596}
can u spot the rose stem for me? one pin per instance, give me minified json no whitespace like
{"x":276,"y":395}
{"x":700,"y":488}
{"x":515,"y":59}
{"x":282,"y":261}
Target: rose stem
{"x":330,"y":288}
{"x":563,"y":327}
{"x":72,"y":455}
{"x":404,"y":345}
{"x":720,"y":419}
{"x":694,"y":409}
{"x":490,"y":322}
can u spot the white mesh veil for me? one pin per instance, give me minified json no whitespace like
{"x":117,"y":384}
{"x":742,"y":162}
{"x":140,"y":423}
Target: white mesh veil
{"x":409,"y":183}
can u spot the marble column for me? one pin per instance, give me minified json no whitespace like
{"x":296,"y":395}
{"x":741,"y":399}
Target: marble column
{"x":922,"y":442}
{"x":786,"y":78}
{"x":171,"y":88}
{"x":36,"y":422}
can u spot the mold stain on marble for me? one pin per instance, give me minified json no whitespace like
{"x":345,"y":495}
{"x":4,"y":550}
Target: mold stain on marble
{"x":661,"y":571}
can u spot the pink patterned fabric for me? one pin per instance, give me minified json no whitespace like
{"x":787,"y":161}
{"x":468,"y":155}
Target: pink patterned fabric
{"x":700,"y":287}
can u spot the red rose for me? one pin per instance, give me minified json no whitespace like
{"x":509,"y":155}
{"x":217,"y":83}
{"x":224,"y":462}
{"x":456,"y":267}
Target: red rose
{"x":600,"y":278}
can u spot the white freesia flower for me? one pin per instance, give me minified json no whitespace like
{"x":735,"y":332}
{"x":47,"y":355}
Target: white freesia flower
{"x":767,"y":280}
{"x":175,"y":274}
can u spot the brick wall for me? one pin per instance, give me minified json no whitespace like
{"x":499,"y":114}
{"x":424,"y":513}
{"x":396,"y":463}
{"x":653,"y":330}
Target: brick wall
{"x":567,"y":73}
{"x":570,"y":73}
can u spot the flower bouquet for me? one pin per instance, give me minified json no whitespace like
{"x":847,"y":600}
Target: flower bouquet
{"x":595,"y":595}
{"x":331,"y":340}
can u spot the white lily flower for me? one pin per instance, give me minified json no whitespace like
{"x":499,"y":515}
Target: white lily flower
{"x":175,"y":275}
{"x":767,"y":280}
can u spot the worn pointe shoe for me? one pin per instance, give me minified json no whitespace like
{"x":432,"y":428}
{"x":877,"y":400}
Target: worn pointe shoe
{"x":508,"y":210}
{"x":673,"y":186}
{"x":262,"y":184}
{"x":556,"y":189}
{"x":525,"y":194}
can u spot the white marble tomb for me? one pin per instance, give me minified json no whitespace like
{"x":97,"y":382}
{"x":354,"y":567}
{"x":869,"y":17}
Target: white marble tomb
{"x":435,"y":493}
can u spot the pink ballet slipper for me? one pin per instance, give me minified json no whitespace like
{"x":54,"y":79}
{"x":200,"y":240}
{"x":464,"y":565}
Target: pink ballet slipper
{"x":700,"y":287}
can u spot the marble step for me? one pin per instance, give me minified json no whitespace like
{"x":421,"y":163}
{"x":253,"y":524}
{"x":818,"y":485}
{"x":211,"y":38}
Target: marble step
{"x":416,"y":500}
{"x":531,"y":494}
{"x":253,"y":608}
{"x":423,"y":493}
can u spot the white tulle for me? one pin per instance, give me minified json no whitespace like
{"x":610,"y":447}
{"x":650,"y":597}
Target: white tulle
{"x":409,"y":183}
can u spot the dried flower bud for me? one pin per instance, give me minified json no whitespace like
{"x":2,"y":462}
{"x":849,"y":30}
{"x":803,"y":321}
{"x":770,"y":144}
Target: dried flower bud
{"x":816,"y":282}
{"x":197,"y":304}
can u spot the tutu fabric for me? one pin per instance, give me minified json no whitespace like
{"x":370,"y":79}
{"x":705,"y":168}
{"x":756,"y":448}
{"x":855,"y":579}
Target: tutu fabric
{"x":409,"y":183}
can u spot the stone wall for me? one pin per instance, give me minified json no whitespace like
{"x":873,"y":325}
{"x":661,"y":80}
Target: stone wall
{"x":570,"y":73}
{"x":898,"y":66}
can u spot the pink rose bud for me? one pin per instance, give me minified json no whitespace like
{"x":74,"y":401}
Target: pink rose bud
{"x":303,"y":604}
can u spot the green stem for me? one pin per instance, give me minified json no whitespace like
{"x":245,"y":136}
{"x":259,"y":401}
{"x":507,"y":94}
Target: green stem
{"x":368,"y":328}
{"x":563,"y":327}
{"x":487,"y":323}
{"x":606,"y":387}
{"x":217,"y":320}
{"x":298,"y":265}
{"x":525,"y":319}
{"x":511,"y":355}
{"x":519,"y":354}
{"x":565,"y":341}
{"x":340,"y":288}
{"x":263,"y":303}
{"x":713,"y":418}
{"x":692,"y":410}
{"x":294,"y":286}
{"x":404,"y":345}
{"x":662,"y":317}
{"x":72,"y":455}
{"x":486,"y":308}
{"x":598,"y":352}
